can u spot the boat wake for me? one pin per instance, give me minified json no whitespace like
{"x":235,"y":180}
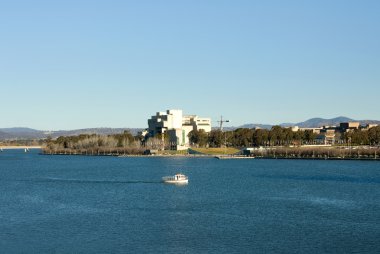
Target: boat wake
{"x":89,"y":181}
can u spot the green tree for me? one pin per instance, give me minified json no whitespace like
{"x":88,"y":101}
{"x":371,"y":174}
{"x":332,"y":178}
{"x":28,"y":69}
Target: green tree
{"x":242,"y":137}
{"x":360,"y":137}
{"x":276,"y":136}
{"x":297,"y":137}
{"x":216,"y":138}
{"x":199,"y":138}
{"x":287,"y":136}
{"x":374,"y":135}
{"x":309,"y":136}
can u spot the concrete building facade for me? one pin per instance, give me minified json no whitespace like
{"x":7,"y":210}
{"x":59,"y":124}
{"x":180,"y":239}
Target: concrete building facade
{"x":350,"y":126}
{"x":177,"y":127}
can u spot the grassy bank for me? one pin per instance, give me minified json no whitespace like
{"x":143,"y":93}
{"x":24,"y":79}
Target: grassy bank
{"x":216,"y":151}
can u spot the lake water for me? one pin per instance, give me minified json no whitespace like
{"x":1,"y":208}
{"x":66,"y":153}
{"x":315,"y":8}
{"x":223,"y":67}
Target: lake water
{"x":78,"y":204}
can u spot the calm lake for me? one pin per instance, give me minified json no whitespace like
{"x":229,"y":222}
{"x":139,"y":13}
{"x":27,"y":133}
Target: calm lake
{"x":79,"y":204}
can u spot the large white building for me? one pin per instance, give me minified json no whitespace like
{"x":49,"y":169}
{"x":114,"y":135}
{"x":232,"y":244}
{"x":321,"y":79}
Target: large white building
{"x":177,"y":126}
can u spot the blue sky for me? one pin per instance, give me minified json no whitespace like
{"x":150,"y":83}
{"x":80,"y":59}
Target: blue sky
{"x":78,"y":64}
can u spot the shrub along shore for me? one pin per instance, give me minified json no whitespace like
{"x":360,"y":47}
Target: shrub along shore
{"x":335,"y":153}
{"x":125,"y":144}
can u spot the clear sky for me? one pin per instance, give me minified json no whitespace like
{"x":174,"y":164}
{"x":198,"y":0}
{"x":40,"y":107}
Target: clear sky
{"x":77,"y":64}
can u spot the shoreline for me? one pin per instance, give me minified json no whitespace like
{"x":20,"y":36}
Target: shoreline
{"x":319,"y":159}
{"x":133,"y":155}
{"x":19,"y":147}
{"x":220,"y":157}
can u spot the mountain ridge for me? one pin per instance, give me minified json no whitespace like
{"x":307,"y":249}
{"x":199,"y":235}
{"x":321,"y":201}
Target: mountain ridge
{"x":315,"y":122}
{"x":29,"y":133}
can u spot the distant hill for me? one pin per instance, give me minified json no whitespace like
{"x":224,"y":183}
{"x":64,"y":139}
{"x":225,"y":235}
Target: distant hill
{"x":4,"y":135}
{"x":313,"y":123}
{"x":256,"y":125}
{"x":20,"y":133}
{"x":27,"y":133}
{"x":319,"y":122}
{"x":100,"y":131}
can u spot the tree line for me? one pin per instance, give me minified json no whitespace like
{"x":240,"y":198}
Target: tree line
{"x":336,"y":152}
{"x":363,"y":137}
{"x":124,"y":143}
{"x":277,"y":136}
{"x":242,"y":137}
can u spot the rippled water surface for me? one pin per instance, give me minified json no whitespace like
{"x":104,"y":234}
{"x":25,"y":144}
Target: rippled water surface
{"x":78,"y":204}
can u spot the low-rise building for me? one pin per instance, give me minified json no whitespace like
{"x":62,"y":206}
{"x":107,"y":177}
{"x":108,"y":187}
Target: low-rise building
{"x":328,"y":135}
{"x":349,"y":126}
{"x":197,"y":123}
{"x":369,"y":126}
{"x":314,"y":130}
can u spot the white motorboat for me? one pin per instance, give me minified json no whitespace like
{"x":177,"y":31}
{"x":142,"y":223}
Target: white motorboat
{"x":177,"y":178}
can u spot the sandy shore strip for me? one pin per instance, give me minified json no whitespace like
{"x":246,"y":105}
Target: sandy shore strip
{"x":20,"y":147}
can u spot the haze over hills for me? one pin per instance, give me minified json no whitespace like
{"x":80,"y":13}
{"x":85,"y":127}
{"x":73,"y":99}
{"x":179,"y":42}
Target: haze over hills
{"x":314,"y":123}
{"x":318,"y":122}
{"x":28,"y":133}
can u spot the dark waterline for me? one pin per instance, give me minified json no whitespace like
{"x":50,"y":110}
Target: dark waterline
{"x":79,"y":204}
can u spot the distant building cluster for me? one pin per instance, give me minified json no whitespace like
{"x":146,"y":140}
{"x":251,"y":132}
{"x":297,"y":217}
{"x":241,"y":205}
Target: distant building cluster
{"x":176,"y":127}
{"x":329,"y":135}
